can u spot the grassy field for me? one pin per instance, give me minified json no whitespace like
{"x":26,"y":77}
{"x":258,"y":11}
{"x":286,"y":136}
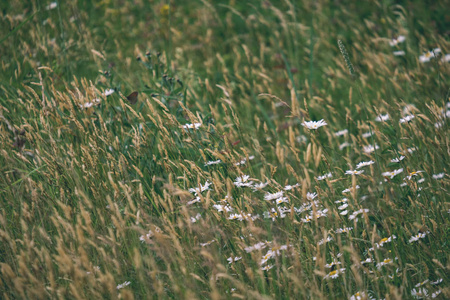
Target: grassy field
{"x":224,"y":149}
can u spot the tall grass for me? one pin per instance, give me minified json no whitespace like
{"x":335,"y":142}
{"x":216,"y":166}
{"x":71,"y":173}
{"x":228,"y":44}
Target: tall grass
{"x":211,"y":184}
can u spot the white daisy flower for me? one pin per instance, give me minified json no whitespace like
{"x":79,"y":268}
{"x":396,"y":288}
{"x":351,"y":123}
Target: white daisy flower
{"x":438,"y":176}
{"x":397,"y":159}
{"x":396,"y":41}
{"x":328,"y":175}
{"x":334,"y":274}
{"x":399,"y":53}
{"x":426,"y":57}
{"x":370,"y":148}
{"x":382,"y":118}
{"x":273,"y":196}
{"x":343,"y":145}
{"x":364,"y":164}
{"x":192,"y":126}
{"x":367,"y":134}
{"x":200,"y":189}
{"x":354,"y":172}
{"x":341,"y":132}
{"x":290,"y":187}
{"x":420,"y":235}
{"x":51,"y":6}
{"x":243,"y":181}
{"x":108,"y":92}
{"x":314,"y":124}
{"x":214,"y":162}
{"x":406,"y":119}
{"x":393,"y":173}
{"x":122,"y":285}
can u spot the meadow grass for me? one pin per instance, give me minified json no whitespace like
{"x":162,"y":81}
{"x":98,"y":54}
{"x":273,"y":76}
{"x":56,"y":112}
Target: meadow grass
{"x":215,"y":182}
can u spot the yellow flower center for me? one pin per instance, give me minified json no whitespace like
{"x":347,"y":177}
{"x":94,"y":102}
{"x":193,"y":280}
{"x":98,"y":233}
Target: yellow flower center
{"x":383,"y":240}
{"x":332,"y":273}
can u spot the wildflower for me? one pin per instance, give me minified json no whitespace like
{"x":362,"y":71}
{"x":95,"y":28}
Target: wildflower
{"x":382,"y":118}
{"x":446,"y":58}
{"x":422,"y":283}
{"x":360,"y":296}
{"x":354,"y":172}
{"x":396,"y":41}
{"x":344,"y":213}
{"x":399,"y":53}
{"x":328,"y":175}
{"x":51,"y":6}
{"x":200,"y":189}
{"x":439,"y":125}
{"x":435,"y":294}
{"x":407,"y":119}
{"x":343,"y":145}
{"x":243,"y":181}
{"x":370,"y":148}
{"x":366,"y":261}
{"x":344,"y":230}
{"x":242,"y":162}
{"x":311,"y":196}
{"x":420,"y":293}
{"x":122,"y":285}
{"x":267,"y":268}
{"x":195,"y":200}
{"x":437,"y":281}
{"x":149,"y":235}
{"x":344,"y":200}
{"x":438,"y":176}
{"x":343,"y":206}
{"x":367,"y":134}
{"x":349,"y":189}
{"x":356,"y":213}
{"x":273,"y":196}
{"x":314,"y":124}
{"x":333,"y":263}
{"x":412,"y":174}
{"x":383,"y":241}
{"x":258,"y":246}
{"x":364,"y":164}
{"x":328,"y":239}
{"x":259,"y":186}
{"x":108,"y":92}
{"x":233,"y":259}
{"x":221,"y":208}
{"x":192,"y":126}
{"x":282,"y":200}
{"x":397,"y":159}
{"x":341,"y":132}
{"x":290,"y":187}
{"x":411,"y":150}
{"x":393,"y":173}
{"x":426,"y":57}
{"x":273,"y":214}
{"x":387,"y":261}
{"x":420,"y":235}
{"x":214,"y":162}
{"x":334,"y":274}
{"x":196,"y":218}
{"x":207,"y":243}
{"x":235,"y":217}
